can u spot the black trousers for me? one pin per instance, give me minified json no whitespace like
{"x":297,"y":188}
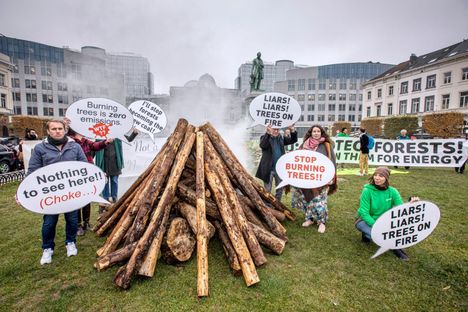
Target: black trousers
{"x":84,"y":214}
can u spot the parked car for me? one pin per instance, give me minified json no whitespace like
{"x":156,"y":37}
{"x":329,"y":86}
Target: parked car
{"x":9,"y":140}
{"x":7,"y":159}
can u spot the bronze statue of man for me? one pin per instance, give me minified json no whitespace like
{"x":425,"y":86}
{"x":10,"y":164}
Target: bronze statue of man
{"x":256,"y":75}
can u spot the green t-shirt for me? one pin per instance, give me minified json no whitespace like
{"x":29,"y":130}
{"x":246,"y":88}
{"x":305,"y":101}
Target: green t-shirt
{"x":375,"y":202}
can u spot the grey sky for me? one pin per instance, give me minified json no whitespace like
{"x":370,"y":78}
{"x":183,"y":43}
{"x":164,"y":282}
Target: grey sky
{"x":185,"y":39}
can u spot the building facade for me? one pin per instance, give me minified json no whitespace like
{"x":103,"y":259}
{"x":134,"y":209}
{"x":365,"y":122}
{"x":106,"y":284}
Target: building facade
{"x":434,"y":82}
{"x":329,"y":93}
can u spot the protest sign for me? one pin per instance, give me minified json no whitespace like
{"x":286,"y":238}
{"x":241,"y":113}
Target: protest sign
{"x":61,"y":187}
{"x":148,"y":117}
{"x":277,"y":109}
{"x":99,"y":118}
{"x":414,"y":153}
{"x":304,"y":169}
{"x":405,"y":225}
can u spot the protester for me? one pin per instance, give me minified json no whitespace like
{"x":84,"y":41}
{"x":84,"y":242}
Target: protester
{"x":272,"y":145}
{"x":364,"y":155}
{"x":403,"y":136}
{"x":378,"y":197}
{"x":89,"y":147}
{"x":314,"y":202}
{"x":344,"y":133}
{"x":57,"y":147}
{"x":30,"y":135}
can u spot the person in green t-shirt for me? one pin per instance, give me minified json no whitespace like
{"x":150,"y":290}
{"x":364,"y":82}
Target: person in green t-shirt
{"x":378,"y":197}
{"x":344,"y":133}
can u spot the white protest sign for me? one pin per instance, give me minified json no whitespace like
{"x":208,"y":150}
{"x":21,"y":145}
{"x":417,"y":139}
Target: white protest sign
{"x":405,"y":225}
{"x":61,"y":187}
{"x":99,"y":118}
{"x":305,"y":169}
{"x":277,"y":109}
{"x":148,"y":117}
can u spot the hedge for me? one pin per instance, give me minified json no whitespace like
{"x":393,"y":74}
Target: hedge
{"x":444,"y":125}
{"x":394,"y":125}
{"x":373,"y":126}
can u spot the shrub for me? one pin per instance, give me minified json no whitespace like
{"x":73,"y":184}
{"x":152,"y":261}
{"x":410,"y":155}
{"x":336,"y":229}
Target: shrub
{"x":393,"y":125}
{"x":20,"y":123}
{"x":373,"y":126}
{"x":444,"y":125}
{"x":340,"y":125}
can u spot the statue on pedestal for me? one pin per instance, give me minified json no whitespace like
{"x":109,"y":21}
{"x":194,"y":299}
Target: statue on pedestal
{"x":256,"y":75}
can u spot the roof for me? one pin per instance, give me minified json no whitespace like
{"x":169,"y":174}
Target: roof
{"x":426,"y":59}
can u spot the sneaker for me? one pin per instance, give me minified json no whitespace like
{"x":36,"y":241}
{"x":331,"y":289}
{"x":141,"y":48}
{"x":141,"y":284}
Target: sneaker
{"x":307,"y":223}
{"x":80,"y":231}
{"x":71,"y":249}
{"x":87,"y":226}
{"x":365,"y":239}
{"x":321,"y":228}
{"x":47,"y":256}
{"x":400,"y":254}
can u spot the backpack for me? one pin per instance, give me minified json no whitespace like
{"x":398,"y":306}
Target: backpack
{"x":371,"y":143}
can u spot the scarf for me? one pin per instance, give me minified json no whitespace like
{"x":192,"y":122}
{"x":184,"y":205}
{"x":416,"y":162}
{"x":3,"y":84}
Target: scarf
{"x":55,"y":142}
{"x":312,"y":144}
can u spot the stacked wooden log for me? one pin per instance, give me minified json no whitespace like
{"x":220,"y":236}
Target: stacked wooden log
{"x":195,"y":187}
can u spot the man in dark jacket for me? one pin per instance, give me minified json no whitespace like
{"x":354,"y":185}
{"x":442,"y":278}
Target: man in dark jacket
{"x":272,"y":145}
{"x":57,"y":147}
{"x":364,"y":156}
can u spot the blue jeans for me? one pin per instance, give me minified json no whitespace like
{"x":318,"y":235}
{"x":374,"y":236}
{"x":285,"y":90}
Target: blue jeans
{"x":269,"y":185}
{"x":50,"y":223}
{"x":364,"y":228}
{"x":114,"y":188}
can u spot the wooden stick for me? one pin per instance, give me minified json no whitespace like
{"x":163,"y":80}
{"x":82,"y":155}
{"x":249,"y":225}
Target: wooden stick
{"x":119,"y":255}
{"x":228,"y":248}
{"x":189,"y":212}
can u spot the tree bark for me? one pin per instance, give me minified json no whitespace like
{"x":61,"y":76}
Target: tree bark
{"x":228,"y":248}
{"x":180,"y":242}
{"x":268,"y":240}
{"x":190,"y":214}
{"x":188,"y":195}
{"x":119,"y":255}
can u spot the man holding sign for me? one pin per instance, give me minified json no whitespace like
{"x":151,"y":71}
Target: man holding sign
{"x":272,"y":145}
{"x":57,"y":147}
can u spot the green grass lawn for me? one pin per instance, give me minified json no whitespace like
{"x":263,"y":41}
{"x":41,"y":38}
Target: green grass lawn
{"x":328,"y":272}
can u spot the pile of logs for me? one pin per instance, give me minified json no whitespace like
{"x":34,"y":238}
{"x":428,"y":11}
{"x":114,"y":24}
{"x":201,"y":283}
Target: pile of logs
{"x":193,"y":189}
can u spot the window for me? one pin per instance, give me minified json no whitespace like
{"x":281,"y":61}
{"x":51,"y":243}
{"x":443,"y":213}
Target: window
{"x":403,"y":106}
{"x":47,"y":98}
{"x":321,"y":97}
{"x":447,"y":77}
{"x":311,"y":84}
{"x":331,"y":117}
{"x":321,"y":118}
{"x":62,"y":86}
{"x":16,"y":96}
{"x":332,"y":85}
{"x":368,"y":111}
{"x":390,"y":109}
{"x":301,"y":97}
{"x":379,"y":110}
{"x":429,"y":103}
{"x":301,"y":118}
{"x":30,"y":83}
{"x":341,"y":117}
{"x":62,"y":112}
{"x":32,"y":110}
{"x":302,"y":107}
{"x":390,"y":90}
{"x":379,"y":93}
{"x":30,"y":70}
{"x":48,"y":111}
{"x":360,"y":107}
{"x":301,"y":84}
{"x":46,"y":71}
{"x":321,"y":107}
{"x":352,"y":85}
{"x":3,"y":100}
{"x":342,"y":107}
{"x":76,"y":71}
{"x":342,"y":97}
{"x":332,"y":97}
{"x":343,"y":85}
{"x":291,"y":85}
{"x":431,"y":82}
{"x":465,"y":73}
{"x":464,"y":99}
{"x":415,"y":105}
{"x":351,"y":118}
{"x":61,"y":71}
{"x":322,"y":84}
{"x":2,"y":80}
{"x":352,"y":97}
{"x":17,"y":110}
{"x":331,"y":107}
{"x":15,"y":83}
{"x":311,"y":97}
{"x":311,"y":107}
{"x":63,"y":99}
{"x":46,"y":85}
{"x":310,"y":117}
{"x":404,"y":87}
{"x":31,"y":97}
{"x":360,"y":97}
{"x":352,"y":107}
{"x":445,"y":101}
{"x":369,"y":95}
{"x":417,"y":84}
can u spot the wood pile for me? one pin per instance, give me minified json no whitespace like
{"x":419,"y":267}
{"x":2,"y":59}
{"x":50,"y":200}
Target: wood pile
{"x":194,"y":189}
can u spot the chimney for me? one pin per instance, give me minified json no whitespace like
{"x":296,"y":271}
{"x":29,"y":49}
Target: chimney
{"x":412,"y":58}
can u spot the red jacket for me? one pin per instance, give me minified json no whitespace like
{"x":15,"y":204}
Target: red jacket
{"x":89,"y":146}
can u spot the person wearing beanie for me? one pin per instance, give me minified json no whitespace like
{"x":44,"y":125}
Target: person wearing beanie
{"x":378,"y":197}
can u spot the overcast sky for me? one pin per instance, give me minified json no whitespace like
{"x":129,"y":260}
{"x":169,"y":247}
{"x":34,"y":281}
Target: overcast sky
{"x":186,"y":39}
